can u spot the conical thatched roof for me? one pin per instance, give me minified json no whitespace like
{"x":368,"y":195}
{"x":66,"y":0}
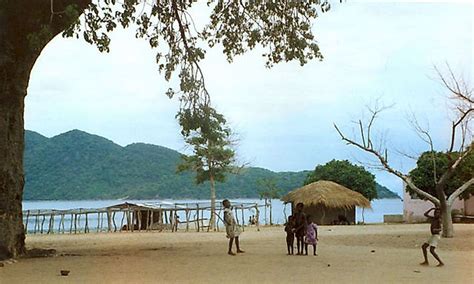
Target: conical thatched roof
{"x":327,"y":193}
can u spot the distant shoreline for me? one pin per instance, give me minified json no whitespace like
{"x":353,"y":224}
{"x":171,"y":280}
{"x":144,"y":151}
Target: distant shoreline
{"x":184,"y":198}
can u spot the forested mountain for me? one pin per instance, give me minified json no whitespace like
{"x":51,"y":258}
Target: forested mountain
{"x":78,"y":165}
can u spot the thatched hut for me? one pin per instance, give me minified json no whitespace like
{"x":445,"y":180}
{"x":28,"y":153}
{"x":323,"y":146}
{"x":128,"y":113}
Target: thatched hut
{"x":327,"y":202}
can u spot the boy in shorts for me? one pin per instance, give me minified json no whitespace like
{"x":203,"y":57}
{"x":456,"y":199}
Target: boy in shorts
{"x":432,"y":242}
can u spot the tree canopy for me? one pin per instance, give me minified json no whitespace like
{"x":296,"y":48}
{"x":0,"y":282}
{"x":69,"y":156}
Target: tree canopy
{"x":282,"y":28}
{"x":423,"y":175}
{"x":347,"y":174}
{"x":206,"y":131}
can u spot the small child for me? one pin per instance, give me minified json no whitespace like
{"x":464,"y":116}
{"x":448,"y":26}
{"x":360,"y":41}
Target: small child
{"x":231,"y":227}
{"x":432,"y":242}
{"x":290,"y":235}
{"x":311,"y":236}
{"x":300,"y":222}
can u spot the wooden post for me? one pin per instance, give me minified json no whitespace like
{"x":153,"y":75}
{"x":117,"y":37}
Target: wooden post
{"x":86,"y":226}
{"x":61,"y":223}
{"x":109,"y":221}
{"x":79,"y":221}
{"x":148,"y":215}
{"x":63,"y":217}
{"x":128,"y":219}
{"x":98,"y":222}
{"x":75,"y":223}
{"x":243,"y":219}
{"x":265,"y":208}
{"x":187,"y":218}
{"x":42,"y":223}
{"x":26,"y":223}
{"x":72,"y":218}
{"x":202,"y":219}
{"x":51,"y":227}
{"x":102,"y":221}
{"x":172,"y":221}
{"x":197,"y":216}
{"x":152,"y":213}
{"x":113,"y":221}
{"x":139,"y":216}
{"x":271,"y":222}
{"x":49,"y":224}
{"x":36,"y":223}
{"x":257,"y":213}
{"x":134,"y":219}
{"x":123,"y":218}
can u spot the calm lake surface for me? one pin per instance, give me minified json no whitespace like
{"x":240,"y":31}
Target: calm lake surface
{"x":279,"y":210}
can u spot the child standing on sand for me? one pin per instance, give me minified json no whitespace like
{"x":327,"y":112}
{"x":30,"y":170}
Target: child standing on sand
{"x":311,"y":235}
{"x":290,"y":235}
{"x":231,"y":227}
{"x":299,"y":227}
{"x":432,"y":242}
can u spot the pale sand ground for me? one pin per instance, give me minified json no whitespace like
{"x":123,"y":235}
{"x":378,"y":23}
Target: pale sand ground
{"x":155,"y":257}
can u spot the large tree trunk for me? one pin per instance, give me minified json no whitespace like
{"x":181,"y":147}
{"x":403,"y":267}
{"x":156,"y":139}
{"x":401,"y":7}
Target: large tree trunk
{"x":445,"y":208}
{"x":25,"y":28}
{"x":12,"y":236}
{"x":447,"y":220}
{"x":212,"y":221}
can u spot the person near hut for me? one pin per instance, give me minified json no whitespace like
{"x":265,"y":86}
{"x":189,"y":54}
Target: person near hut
{"x":254,"y":220}
{"x":290,"y":235}
{"x":311,"y":236}
{"x":299,"y":227}
{"x":175,"y":223}
{"x":432,"y":242}
{"x":231,"y":227}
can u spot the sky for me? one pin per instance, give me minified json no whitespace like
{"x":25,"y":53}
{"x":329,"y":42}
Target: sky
{"x":283,"y":117}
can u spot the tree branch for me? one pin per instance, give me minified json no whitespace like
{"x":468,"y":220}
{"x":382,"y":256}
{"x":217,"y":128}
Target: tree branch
{"x":387,"y":167}
{"x":460,"y":190}
{"x":450,"y":171}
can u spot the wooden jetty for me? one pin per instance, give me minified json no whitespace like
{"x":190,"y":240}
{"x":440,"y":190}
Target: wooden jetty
{"x":132,"y":217}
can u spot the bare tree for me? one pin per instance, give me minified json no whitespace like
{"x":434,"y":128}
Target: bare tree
{"x":460,"y":145}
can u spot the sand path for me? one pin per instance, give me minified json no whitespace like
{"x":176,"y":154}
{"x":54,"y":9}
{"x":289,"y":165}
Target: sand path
{"x":345,"y":256}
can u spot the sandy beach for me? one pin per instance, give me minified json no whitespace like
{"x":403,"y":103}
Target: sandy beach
{"x":347,"y":254}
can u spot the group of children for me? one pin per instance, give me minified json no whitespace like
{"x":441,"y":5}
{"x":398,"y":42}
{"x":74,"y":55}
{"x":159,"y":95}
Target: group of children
{"x":302,"y":227}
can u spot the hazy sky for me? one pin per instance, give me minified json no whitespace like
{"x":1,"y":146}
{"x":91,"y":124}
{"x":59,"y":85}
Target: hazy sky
{"x":283,"y":116}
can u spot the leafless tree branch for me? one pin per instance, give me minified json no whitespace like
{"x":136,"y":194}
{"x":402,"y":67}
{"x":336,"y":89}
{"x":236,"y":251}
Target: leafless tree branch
{"x":383,"y":161}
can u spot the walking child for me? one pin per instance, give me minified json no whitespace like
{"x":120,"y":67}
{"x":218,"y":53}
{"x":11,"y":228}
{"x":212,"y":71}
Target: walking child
{"x":231,"y":227}
{"x":432,"y":242}
{"x":290,"y":235}
{"x":311,"y":236}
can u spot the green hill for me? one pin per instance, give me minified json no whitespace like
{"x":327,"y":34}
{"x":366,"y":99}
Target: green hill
{"x":77,"y":165}
{"x":385,"y":193}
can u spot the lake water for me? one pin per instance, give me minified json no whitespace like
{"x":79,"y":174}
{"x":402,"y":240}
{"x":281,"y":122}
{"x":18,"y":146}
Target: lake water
{"x":279,"y":210}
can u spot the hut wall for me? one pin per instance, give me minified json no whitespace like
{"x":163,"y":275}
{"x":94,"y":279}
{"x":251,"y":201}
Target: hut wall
{"x":145,"y":218}
{"x":322,"y":215}
{"x":414,"y":208}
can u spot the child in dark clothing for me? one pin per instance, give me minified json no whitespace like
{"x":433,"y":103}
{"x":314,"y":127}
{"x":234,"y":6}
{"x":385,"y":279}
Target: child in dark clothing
{"x":432,"y":242}
{"x":290,"y":235}
{"x":299,"y":227}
